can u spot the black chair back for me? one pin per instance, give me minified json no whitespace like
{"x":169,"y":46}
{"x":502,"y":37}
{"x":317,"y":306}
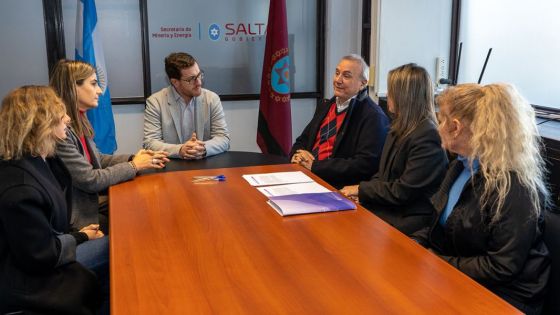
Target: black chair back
{"x":552,"y":240}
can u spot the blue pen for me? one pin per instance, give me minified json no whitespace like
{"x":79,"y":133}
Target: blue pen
{"x":198,"y":179}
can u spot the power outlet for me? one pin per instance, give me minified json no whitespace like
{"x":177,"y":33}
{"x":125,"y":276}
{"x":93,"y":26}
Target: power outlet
{"x":441,"y":70}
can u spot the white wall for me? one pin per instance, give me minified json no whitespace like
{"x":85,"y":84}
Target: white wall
{"x":23,"y":54}
{"x":525,"y":42}
{"x":343,"y":35}
{"x":407,"y":31}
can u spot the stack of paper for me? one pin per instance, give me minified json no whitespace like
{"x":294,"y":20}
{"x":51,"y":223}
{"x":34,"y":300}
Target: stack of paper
{"x":292,"y":189}
{"x":292,"y":193}
{"x":277,"y":178}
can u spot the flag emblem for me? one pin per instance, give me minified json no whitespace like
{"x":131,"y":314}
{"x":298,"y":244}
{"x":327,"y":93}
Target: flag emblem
{"x":214,"y":32}
{"x":280,"y":78}
{"x":101,"y":78}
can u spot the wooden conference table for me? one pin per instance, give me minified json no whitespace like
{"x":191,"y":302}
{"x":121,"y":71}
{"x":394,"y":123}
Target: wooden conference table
{"x":183,"y":248}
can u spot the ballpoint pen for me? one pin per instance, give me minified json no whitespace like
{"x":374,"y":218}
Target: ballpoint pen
{"x":198,"y":179}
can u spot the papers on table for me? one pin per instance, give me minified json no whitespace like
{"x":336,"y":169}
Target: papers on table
{"x":292,"y":193}
{"x":292,"y":189}
{"x":277,"y":178}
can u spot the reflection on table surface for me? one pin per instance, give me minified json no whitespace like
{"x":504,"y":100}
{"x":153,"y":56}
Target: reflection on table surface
{"x":223,"y":160}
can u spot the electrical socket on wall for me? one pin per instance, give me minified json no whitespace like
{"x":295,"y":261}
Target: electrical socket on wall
{"x":441,"y":70}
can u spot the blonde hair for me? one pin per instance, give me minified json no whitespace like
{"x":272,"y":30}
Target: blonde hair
{"x":66,"y":75}
{"x":504,"y":138}
{"x":29,"y":116}
{"x":412,"y":93}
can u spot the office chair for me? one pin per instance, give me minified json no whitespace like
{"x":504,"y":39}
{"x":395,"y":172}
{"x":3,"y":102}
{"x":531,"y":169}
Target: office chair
{"x":552,"y":241}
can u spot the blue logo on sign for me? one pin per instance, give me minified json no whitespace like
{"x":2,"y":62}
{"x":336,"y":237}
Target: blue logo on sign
{"x":280,"y":78}
{"x":214,"y":32}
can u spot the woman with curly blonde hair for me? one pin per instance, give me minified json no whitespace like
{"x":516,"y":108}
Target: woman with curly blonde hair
{"x":44,"y":265}
{"x":490,"y":202}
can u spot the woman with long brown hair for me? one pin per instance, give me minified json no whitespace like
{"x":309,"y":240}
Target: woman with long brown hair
{"x":412,"y":162}
{"x":92,"y":172}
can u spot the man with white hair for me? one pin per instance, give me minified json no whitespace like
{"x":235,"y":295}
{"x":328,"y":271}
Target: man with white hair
{"x":343,"y":142}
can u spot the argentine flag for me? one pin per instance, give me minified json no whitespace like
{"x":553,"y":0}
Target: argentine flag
{"x":89,"y":49}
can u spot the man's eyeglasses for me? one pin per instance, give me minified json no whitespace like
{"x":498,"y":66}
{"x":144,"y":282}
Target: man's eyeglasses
{"x":193,"y":78}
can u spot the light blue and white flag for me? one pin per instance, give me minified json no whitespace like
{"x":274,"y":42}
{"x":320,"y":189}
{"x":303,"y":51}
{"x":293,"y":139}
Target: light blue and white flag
{"x":89,"y":49}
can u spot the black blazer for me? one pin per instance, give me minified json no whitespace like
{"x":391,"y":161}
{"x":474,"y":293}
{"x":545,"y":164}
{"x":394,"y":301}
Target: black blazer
{"x":38,"y":270}
{"x":358,"y":144}
{"x":409,"y":174}
{"x":508,"y":257}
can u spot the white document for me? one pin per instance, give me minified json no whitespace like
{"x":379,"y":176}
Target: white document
{"x":277,"y":178}
{"x":292,"y":189}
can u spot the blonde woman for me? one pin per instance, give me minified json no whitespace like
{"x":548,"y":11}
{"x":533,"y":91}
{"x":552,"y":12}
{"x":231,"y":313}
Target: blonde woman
{"x":412,"y":163}
{"x":490,"y":202}
{"x":92,"y":172}
{"x":38,"y":252}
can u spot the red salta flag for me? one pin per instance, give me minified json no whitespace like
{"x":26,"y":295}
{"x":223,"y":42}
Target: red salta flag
{"x":274,"y":133}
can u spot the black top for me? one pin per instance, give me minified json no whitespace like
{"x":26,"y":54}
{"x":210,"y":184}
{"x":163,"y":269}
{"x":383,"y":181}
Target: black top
{"x":38,"y":270}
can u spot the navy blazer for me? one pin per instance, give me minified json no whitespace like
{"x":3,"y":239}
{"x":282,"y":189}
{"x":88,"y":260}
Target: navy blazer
{"x":357,"y":146}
